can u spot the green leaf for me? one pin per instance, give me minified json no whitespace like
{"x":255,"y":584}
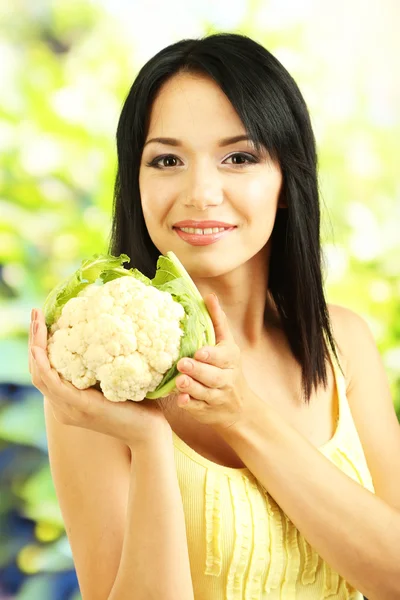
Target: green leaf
{"x":172,"y":277}
{"x":101,"y":266}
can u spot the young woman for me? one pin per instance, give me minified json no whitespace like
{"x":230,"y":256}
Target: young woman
{"x":272,"y":472}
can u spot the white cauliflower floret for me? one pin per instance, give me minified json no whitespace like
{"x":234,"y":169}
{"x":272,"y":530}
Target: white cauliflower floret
{"x":125,"y":375}
{"x":89,"y":290}
{"x":68,"y":317}
{"x":123,"y":334}
{"x":95,"y":355}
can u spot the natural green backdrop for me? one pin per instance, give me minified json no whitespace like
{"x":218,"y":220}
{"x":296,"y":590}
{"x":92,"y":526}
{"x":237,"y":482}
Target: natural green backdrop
{"x":66,"y":68}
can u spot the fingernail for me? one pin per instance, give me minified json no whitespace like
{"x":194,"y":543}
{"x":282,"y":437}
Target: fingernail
{"x":203,"y":355}
{"x":33,"y":354}
{"x":187,"y":365}
{"x":35,"y":327}
{"x":183,"y":382}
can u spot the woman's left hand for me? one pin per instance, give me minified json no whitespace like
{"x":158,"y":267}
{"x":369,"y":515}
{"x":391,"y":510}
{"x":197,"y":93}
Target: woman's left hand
{"x":213,"y":389}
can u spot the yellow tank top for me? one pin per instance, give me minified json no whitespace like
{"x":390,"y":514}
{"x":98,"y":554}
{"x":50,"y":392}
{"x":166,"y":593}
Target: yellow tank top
{"x":242,"y":546}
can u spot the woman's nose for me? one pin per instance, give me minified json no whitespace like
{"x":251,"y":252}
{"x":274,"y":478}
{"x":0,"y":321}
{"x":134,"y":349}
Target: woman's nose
{"x":203,"y":190}
{"x":203,"y":200}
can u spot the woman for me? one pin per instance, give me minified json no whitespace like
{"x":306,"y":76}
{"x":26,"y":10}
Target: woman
{"x":271,"y":472}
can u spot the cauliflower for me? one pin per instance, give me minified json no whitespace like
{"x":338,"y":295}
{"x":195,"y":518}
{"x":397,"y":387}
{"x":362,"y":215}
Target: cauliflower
{"x":127,"y":334}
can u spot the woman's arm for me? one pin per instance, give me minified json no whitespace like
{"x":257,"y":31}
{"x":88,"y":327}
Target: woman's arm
{"x":155,"y":560}
{"x":124,"y":519}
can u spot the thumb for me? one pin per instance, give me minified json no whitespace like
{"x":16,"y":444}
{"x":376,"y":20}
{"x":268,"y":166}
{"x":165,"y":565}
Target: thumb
{"x":219,"y":319}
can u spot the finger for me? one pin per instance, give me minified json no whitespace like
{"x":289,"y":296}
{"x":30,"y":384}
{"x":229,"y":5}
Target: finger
{"x":64,"y":394}
{"x":38,"y":338}
{"x":41,"y":334}
{"x":219,"y":319}
{"x":187,"y":385}
{"x":186,"y":401}
{"x":45,"y":378}
{"x":223,"y":356}
{"x":30,"y":359}
{"x":78,"y":405}
{"x":50,"y":377}
{"x":30,"y":337}
{"x":207,"y":375}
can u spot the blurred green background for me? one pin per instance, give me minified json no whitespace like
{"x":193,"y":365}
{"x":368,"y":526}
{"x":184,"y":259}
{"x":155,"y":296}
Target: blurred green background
{"x":66,"y":67}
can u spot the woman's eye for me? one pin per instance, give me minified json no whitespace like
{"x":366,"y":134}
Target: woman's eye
{"x":167,"y":161}
{"x":168,"y":158}
{"x":243,"y":157}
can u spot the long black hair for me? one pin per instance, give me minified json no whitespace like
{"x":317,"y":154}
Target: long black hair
{"x":275,"y":116}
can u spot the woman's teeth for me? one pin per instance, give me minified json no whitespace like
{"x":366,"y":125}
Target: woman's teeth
{"x":202,"y":231}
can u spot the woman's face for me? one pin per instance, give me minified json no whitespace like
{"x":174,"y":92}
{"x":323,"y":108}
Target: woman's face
{"x":193,"y":177}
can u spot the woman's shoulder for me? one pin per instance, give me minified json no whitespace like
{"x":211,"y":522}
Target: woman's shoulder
{"x":349,"y":330}
{"x":345,"y":321}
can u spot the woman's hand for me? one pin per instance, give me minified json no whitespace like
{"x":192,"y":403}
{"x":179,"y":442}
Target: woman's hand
{"x":213,"y":389}
{"x":134,"y":423}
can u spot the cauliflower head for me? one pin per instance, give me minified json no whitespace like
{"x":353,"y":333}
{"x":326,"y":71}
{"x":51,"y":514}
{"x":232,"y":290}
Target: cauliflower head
{"x":114,"y":327}
{"x":124,"y":335}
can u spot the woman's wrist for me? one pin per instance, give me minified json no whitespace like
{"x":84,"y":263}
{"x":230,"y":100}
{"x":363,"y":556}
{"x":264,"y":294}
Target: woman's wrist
{"x":159,"y":443}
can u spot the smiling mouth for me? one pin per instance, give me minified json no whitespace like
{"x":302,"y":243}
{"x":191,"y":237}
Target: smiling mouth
{"x":202,"y":237}
{"x":199,"y":231}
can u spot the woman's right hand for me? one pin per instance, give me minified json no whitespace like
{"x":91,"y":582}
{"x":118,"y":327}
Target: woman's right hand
{"x":137,"y":424}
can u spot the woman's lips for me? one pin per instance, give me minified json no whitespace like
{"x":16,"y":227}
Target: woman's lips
{"x":201,"y":239}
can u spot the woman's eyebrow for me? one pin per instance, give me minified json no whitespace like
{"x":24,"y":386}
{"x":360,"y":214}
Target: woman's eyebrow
{"x":174,"y":142}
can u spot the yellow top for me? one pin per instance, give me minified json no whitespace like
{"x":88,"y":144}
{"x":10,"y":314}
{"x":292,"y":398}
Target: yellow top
{"x":242,"y":546}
